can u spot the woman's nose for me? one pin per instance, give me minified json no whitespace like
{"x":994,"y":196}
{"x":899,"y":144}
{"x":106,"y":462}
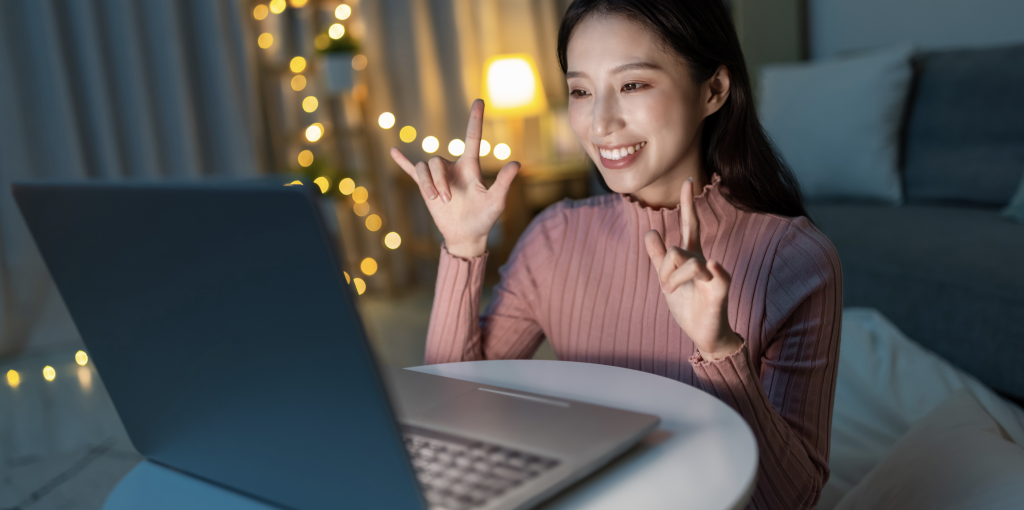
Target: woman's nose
{"x":607,"y":117}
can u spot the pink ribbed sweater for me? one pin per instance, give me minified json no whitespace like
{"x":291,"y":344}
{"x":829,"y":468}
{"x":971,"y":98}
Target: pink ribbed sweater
{"x":581,"y":276}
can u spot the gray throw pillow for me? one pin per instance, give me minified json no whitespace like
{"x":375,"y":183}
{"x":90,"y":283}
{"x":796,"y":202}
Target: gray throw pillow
{"x":836,"y":123}
{"x":965,"y":134}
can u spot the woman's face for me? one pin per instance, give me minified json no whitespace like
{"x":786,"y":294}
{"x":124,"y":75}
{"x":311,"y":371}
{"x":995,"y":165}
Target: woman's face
{"x":634,"y":107}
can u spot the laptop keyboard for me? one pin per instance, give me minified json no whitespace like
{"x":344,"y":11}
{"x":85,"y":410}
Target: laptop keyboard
{"x":460,"y":474}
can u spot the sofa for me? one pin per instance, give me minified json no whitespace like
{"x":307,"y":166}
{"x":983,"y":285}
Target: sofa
{"x":947,"y":266}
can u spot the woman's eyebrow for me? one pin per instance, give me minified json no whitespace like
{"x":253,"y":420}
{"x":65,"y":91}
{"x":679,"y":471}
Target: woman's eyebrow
{"x":636,"y":66}
{"x":633,"y":66}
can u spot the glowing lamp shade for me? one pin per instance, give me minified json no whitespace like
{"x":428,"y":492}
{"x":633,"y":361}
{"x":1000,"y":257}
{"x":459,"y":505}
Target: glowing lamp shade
{"x":513,"y":87}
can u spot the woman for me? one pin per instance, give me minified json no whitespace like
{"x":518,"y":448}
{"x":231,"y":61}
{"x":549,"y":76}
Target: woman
{"x":703,"y":267}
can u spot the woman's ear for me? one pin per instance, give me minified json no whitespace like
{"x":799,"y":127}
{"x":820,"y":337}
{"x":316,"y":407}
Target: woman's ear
{"x":715,"y":91}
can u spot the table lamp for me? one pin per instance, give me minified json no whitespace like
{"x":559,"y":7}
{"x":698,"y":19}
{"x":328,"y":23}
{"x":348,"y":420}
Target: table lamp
{"x":513,"y":91}
{"x":513,"y":88}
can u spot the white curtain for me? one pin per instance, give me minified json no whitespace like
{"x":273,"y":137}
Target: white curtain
{"x":432,"y":54}
{"x":115,"y":90}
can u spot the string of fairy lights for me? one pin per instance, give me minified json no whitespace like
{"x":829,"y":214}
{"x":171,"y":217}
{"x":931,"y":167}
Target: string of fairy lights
{"x":84,"y":375}
{"x":315,"y":131}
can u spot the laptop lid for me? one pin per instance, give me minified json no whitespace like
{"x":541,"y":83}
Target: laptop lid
{"x":226,"y":336}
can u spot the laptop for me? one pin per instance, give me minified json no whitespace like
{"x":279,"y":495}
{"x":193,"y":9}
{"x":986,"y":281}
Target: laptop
{"x":220,"y":323}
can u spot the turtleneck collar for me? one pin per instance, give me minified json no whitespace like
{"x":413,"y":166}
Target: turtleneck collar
{"x":667,"y":220}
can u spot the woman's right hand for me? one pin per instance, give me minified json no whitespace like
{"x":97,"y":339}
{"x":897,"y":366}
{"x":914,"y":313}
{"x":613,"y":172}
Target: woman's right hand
{"x":463,"y":209}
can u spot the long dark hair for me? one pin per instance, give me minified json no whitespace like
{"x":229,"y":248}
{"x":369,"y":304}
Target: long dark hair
{"x":733,"y":143}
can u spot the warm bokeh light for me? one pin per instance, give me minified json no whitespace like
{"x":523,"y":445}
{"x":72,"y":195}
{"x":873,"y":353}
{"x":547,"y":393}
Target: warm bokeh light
{"x":298,"y":4}
{"x":85,"y":378}
{"x":373,"y":223}
{"x":277,"y":6}
{"x":386,"y":120}
{"x":323,"y":182}
{"x":360,"y":285}
{"x":430,"y":144}
{"x":305,"y":158}
{"x":456,"y":147}
{"x":298,"y":82}
{"x":484,"y":148}
{"x":392,"y":240}
{"x":359,"y":92}
{"x":343,"y":11}
{"x":321,"y":42}
{"x":265,"y":40}
{"x":407,"y":134}
{"x":260,"y":12}
{"x":359,"y":195}
{"x":294,"y":183}
{"x":348,"y":279}
{"x":81,"y":358}
{"x":361,"y":209}
{"x":309,"y":104}
{"x":346,"y":186}
{"x":13,"y":378}
{"x":502,"y":151}
{"x":359,"y":62}
{"x":337,"y":31}
{"x":368,"y":266}
{"x":49,"y":373}
{"x":313,"y":133}
{"x":297,"y":64}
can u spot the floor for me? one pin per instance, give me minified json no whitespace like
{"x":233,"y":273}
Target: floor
{"x":62,"y":445}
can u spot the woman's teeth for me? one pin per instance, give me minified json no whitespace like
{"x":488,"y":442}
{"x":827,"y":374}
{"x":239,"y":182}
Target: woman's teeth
{"x":616,"y":154}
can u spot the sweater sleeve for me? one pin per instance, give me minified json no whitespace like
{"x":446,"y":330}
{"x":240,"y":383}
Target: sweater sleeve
{"x":789,"y":405}
{"x":510,"y":328}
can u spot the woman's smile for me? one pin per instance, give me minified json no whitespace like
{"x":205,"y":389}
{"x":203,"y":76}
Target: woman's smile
{"x":620,"y":156}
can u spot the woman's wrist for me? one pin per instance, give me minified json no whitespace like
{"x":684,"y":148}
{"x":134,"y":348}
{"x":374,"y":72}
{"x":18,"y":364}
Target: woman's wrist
{"x":469,"y":249}
{"x":724,"y":347}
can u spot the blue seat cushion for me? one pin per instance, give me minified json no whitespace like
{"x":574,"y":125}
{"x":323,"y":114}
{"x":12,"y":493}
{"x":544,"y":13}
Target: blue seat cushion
{"x":952,"y":278}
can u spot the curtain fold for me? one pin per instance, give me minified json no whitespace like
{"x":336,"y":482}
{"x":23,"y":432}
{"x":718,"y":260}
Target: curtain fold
{"x":115,"y":90}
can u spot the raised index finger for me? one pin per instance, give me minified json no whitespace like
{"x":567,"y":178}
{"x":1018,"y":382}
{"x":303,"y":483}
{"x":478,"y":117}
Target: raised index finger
{"x":689,"y":223}
{"x":475,"y":130}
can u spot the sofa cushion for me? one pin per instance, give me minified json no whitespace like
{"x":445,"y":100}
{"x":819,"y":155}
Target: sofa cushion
{"x":951,"y":278}
{"x":965,"y":135}
{"x":837,"y":122}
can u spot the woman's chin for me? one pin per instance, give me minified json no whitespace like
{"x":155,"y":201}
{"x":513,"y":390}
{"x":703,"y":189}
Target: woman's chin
{"x":621,"y":183}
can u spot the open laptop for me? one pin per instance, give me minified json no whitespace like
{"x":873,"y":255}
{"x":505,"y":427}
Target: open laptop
{"x":223,"y":329}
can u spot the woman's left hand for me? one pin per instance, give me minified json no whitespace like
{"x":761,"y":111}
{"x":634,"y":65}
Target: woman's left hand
{"x":697,"y":290}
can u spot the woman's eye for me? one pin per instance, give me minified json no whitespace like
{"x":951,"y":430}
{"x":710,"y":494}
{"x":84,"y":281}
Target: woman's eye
{"x":578,"y":93}
{"x":631,"y":87}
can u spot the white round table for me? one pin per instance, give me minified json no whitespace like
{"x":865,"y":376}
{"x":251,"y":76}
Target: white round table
{"x":703,"y":455}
